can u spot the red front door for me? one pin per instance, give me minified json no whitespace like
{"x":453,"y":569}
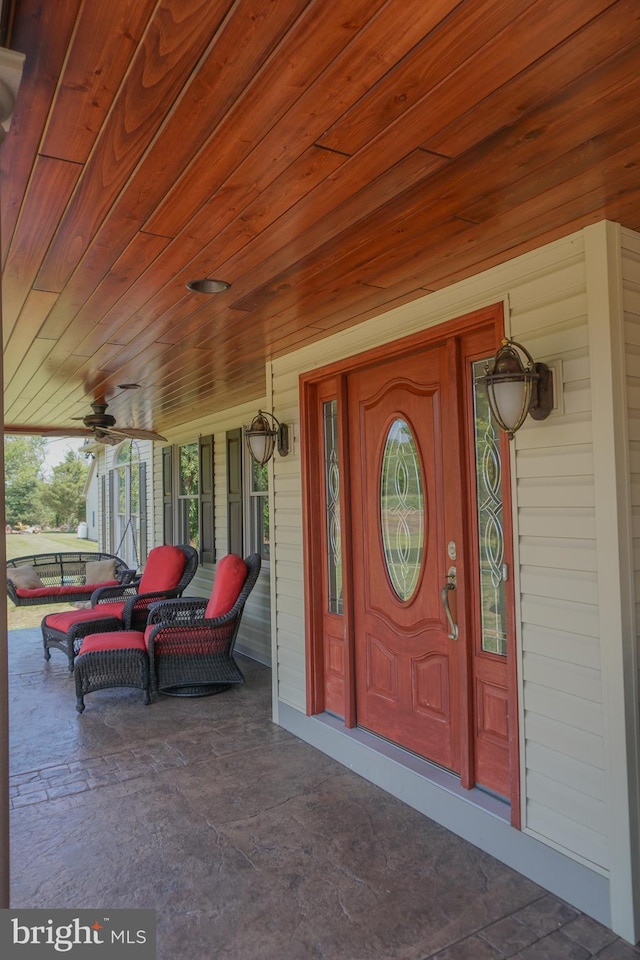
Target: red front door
{"x":410,"y":611}
{"x":405,"y":476}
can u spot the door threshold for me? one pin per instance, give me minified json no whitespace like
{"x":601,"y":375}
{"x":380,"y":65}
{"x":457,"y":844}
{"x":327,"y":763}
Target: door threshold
{"x":428,"y":771}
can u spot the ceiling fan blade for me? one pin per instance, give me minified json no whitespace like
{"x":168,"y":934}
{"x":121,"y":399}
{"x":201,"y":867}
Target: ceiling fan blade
{"x":136,"y":433}
{"x":46,"y":431}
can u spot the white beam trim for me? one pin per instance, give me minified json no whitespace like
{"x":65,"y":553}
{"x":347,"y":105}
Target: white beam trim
{"x":615,"y":570}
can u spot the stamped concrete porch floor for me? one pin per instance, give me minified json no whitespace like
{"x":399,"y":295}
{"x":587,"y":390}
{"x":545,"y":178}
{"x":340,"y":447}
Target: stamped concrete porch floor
{"x":249,"y":844}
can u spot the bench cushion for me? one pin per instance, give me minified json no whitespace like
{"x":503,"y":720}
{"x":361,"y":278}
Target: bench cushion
{"x":69,"y":589}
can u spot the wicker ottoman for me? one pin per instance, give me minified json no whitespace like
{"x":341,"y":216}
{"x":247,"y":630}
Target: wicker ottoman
{"x":117,"y":659}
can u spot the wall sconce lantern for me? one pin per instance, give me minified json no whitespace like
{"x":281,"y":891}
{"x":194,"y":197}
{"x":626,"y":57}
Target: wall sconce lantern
{"x":515,"y":389}
{"x":264,"y":434}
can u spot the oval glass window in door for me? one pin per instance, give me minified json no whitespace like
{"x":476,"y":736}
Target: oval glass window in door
{"x":402,"y":509}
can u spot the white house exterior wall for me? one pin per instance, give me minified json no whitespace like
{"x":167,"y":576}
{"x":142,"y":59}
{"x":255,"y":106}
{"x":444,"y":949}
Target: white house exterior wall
{"x":105,"y":461}
{"x":565,"y":727}
{"x":254,"y":638}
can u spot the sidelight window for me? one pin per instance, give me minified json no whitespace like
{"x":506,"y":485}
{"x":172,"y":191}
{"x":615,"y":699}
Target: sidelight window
{"x":490,"y":521}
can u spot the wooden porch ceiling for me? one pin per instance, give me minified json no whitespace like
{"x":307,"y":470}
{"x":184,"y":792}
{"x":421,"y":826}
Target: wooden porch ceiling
{"x":329,"y":159}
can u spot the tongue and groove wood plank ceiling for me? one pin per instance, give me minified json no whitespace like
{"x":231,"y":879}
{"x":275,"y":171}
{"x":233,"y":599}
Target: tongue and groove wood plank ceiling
{"x":329,"y":160}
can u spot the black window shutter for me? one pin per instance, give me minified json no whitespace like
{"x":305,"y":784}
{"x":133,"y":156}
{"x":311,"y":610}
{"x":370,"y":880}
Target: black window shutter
{"x":234,"y":491}
{"x":167,"y":494}
{"x":142,"y":483}
{"x":207,"y":527}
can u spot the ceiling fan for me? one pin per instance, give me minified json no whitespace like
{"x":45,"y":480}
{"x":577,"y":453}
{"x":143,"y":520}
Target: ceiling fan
{"x":103,"y":427}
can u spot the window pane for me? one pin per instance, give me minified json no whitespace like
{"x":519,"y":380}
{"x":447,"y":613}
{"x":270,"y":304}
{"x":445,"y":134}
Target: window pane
{"x":402,"y":511}
{"x":135,"y":489}
{"x":194,"y":526}
{"x":128,"y":453}
{"x":259,"y":477}
{"x":188,"y":525}
{"x":122,"y":491}
{"x":188,"y":500}
{"x":126,"y":521}
{"x":490,"y":521}
{"x":332,"y":507}
{"x":188,"y":470}
{"x":259,"y":525}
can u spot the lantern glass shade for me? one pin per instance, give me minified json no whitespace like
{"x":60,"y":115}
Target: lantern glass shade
{"x":264,"y":435}
{"x":516,"y":389}
{"x":510,"y":402}
{"x":261,"y":438}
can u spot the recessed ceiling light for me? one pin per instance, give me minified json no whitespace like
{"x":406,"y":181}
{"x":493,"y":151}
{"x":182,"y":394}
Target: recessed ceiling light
{"x":208,"y":285}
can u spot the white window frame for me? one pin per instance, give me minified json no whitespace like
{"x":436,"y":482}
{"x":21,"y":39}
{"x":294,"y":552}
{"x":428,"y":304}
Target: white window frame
{"x":182,"y":501}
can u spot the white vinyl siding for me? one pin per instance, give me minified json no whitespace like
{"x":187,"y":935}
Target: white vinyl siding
{"x":105,"y":460}
{"x":254,"y":638}
{"x":561,"y":723}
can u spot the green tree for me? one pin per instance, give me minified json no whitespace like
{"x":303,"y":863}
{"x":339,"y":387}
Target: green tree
{"x":24,"y":457}
{"x":63,"y":495}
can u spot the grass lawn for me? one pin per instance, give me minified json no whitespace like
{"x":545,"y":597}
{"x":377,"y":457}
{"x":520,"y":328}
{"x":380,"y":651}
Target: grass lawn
{"x":25,"y":545}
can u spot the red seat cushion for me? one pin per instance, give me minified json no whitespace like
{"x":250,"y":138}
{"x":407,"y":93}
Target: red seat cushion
{"x":64,"y":621}
{"x":67,"y":588}
{"x":118,"y":640}
{"x":163,"y":569}
{"x":85,"y":587}
{"x":231,"y":574}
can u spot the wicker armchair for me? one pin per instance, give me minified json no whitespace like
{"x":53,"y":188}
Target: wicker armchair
{"x":190,"y":654}
{"x":183,"y":652}
{"x":122,"y":607}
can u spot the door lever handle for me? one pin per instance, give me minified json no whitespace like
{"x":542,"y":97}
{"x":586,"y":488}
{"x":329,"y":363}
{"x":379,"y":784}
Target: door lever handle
{"x":444,"y":595}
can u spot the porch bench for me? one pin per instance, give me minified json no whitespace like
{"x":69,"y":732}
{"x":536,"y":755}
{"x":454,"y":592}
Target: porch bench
{"x":67,"y":577}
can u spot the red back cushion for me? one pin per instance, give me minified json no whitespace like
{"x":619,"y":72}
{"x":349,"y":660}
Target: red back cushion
{"x":163,"y":569}
{"x":231,"y":574}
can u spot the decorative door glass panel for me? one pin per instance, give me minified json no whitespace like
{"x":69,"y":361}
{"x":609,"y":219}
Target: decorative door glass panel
{"x":402,"y":509}
{"x":490,"y":521}
{"x":332,"y":508}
